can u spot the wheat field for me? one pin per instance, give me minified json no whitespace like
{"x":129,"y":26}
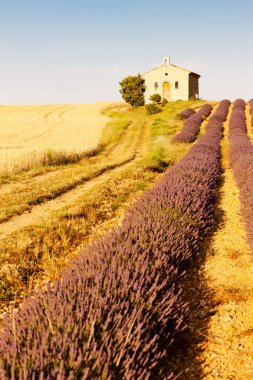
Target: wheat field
{"x":29,"y":133}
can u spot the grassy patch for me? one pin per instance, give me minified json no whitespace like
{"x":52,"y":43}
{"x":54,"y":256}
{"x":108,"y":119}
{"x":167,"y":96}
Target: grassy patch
{"x":114,"y":130}
{"x":162,"y":153}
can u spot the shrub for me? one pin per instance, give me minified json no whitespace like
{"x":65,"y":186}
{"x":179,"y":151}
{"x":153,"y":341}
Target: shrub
{"x":164,"y":102}
{"x":152,"y":109}
{"x":186,"y":113}
{"x":132,"y":90}
{"x":155,"y":160}
{"x":155,"y":98}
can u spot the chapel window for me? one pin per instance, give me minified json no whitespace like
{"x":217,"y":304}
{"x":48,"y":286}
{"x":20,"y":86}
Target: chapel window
{"x":176,"y":85}
{"x":156,"y":86}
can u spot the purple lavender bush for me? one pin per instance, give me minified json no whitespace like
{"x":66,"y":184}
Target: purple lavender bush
{"x":186,"y":113}
{"x":241,"y":158}
{"x":119,"y":307}
{"x":251,"y":111}
{"x":220,"y":114}
{"x":192,"y":125}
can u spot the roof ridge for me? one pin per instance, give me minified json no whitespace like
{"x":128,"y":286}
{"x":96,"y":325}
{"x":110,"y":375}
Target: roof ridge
{"x":171,"y":64}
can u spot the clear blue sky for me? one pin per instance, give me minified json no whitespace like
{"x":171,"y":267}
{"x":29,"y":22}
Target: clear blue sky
{"x":75,"y":51}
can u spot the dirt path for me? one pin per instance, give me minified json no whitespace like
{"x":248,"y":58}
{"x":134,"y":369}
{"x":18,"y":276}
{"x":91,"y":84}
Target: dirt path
{"x":248,"y":120}
{"x":10,"y":186}
{"x":39,"y":212}
{"x":42,"y":211}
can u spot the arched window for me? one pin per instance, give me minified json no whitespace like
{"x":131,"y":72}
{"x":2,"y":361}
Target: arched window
{"x":156,"y":86}
{"x":176,"y":85}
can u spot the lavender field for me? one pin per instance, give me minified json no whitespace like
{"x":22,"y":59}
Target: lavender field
{"x":120,"y":309}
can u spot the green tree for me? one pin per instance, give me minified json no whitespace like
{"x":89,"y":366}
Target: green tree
{"x":132,"y":90}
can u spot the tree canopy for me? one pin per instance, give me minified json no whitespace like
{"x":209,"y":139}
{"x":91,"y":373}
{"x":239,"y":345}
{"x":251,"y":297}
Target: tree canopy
{"x":132,"y":90}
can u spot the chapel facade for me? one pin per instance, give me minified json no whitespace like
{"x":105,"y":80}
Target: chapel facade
{"x":171,"y":82}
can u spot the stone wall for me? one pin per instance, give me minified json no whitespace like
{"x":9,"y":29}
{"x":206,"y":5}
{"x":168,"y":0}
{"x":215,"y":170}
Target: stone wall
{"x":171,"y":74}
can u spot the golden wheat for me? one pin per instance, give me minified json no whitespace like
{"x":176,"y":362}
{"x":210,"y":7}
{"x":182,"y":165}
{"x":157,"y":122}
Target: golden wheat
{"x":32,"y":135}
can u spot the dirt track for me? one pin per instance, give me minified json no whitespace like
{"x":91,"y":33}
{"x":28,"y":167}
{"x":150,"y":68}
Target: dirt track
{"x":42,"y":211}
{"x":35,"y":214}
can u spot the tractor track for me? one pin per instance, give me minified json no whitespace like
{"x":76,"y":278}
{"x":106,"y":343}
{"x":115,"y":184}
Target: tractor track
{"x":46,"y":204}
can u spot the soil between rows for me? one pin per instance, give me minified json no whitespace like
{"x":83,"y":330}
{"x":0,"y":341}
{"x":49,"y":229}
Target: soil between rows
{"x":218,"y":342}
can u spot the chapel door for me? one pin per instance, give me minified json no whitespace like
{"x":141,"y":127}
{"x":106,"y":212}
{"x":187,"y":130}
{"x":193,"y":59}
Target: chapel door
{"x":166,"y":91}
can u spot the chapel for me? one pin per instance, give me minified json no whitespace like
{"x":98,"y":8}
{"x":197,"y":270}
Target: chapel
{"x":171,"y":82}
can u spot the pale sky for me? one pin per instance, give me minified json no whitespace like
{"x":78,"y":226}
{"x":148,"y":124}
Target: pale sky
{"x":76,"y":51}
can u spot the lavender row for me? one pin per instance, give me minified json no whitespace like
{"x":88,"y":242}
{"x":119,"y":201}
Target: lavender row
{"x":118,"y":309}
{"x":241,"y":158}
{"x":220,"y":114}
{"x":192,"y":125}
{"x":251,"y":111}
{"x":186,"y":113}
